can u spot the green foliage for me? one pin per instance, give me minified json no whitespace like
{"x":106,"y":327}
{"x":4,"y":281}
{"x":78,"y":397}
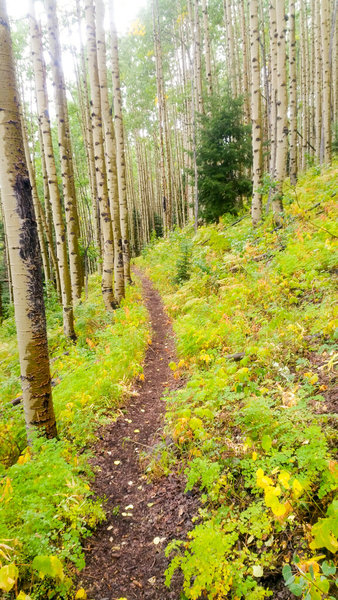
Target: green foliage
{"x":223,"y":154}
{"x":256,"y":434}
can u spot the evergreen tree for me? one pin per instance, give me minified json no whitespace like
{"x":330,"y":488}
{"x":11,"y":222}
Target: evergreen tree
{"x":223,"y":155}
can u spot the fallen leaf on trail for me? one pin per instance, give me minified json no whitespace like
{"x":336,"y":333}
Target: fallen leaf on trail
{"x":150,"y":504}
{"x":117,"y":462}
{"x":129,"y":507}
{"x":152,"y":580}
{"x":130,"y":483}
{"x":110,"y":527}
{"x":81,"y":594}
{"x":136,"y":431}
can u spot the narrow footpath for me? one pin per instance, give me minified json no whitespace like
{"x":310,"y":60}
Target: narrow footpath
{"x":125,"y":558}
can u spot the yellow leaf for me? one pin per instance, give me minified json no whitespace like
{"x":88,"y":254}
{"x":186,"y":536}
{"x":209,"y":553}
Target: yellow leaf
{"x":23,"y":596}
{"x":141,"y":377}
{"x":262,"y":480}
{"x":81,"y":594}
{"x":254,"y":456}
{"x":8,"y":577}
{"x":283,"y":478}
{"x":297,"y":488}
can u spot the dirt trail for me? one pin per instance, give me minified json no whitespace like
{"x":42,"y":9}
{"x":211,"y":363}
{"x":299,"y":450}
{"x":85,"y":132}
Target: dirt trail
{"x":122,"y":560}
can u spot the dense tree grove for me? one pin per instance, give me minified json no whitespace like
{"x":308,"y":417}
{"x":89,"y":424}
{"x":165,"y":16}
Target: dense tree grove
{"x":127,"y":127}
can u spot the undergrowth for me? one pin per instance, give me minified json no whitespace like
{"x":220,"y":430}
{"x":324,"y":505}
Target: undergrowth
{"x":253,"y":430}
{"x":47,"y":506}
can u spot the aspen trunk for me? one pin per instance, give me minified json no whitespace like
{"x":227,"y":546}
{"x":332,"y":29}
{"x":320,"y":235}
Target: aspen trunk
{"x":273,"y":86}
{"x":282,"y":107}
{"x":293,"y":94}
{"x":207,"y":52}
{"x":44,"y":123}
{"x":198,"y":58}
{"x":318,"y":81}
{"x":69,"y":196}
{"x":24,"y":250}
{"x":246,"y":66}
{"x":120,"y":147}
{"x":166,"y":200}
{"x":110,"y":145}
{"x":100,"y":168}
{"x":231,"y":47}
{"x":256,"y":209}
{"x":325,"y":146}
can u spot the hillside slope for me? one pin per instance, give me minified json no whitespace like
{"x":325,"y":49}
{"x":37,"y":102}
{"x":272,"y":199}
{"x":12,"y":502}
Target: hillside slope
{"x":254,"y":313}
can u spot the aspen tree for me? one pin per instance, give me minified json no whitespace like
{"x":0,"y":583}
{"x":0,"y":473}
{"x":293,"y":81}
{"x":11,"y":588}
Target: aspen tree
{"x":100,"y":167}
{"x":110,"y":146}
{"x":88,"y":134}
{"x":318,"y":81}
{"x":246,"y":65}
{"x":166,"y":199}
{"x":282,"y":120}
{"x":66,"y":158}
{"x":273,"y":85}
{"x":256,"y":209}
{"x":24,"y":252}
{"x":293,"y":93}
{"x":120,"y":146}
{"x":45,"y":127}
{"x":47,"y":219}
{"x":325,"y":145}
{"x":231,"y":46}
{"x":198,"y":58}
{"x":207,"y":52}
{"x":304,"y":84}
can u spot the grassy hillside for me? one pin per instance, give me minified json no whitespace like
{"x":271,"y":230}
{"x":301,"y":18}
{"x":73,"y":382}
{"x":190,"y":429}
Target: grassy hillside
{"x":255,"y":318}
{"x":47,"y":506}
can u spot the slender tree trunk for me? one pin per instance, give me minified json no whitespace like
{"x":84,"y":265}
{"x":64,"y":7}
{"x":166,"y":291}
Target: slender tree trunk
{"x":246,"y":65}
{"x":120,"y":147}
{"x":88,"y":136}
{"x":166,"y":200}
{"x":69,"y":196}
{"x":256,"y":209}
{"x":231,"y":46}
{"x":325,"y":146}
{"x":198,"y":58}
{"x":208,"y":67}
{"x":110,"y":145}
{"x":293,"y":93}
{"x":24,"y":249}
{"x":318,"y":81}
{"x":44,"y":123}
{"x":273,"y":86}
{"x":282,"y":120}
{"x":100,"y":168}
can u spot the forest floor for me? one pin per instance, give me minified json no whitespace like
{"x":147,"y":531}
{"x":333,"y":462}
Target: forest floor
{"x":125,"y":558}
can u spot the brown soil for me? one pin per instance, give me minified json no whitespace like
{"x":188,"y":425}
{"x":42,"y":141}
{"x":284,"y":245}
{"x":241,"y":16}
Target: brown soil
{"x":125,"y":558}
